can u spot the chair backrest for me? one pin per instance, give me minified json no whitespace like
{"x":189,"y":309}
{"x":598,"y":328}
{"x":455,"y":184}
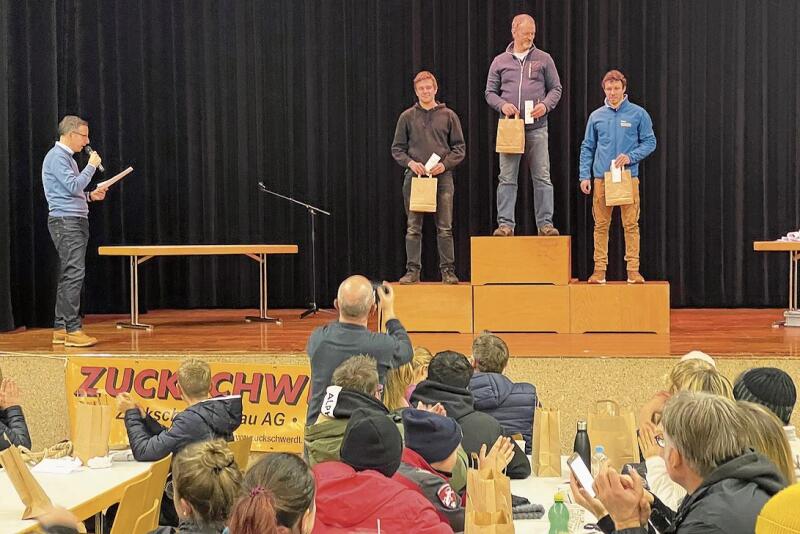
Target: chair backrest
{"x":158,"y":481}
{"x":148,"y":521}
{"x":241,"y":451}
{"x":131,"y":505}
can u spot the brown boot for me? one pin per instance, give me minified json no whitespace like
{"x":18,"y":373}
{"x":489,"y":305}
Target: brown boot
{"x":635,"y":278}
{"x":449,"y":276}
{"x":59,"y":336}
{"x":598,"y":277}
{"x":503,"y":231}
{"x":411,"y":277}
{"x":79,"y":339}
{"x":548,"y":230}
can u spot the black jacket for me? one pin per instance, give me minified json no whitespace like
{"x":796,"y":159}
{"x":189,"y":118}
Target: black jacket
{"x":12,"y":424}
{"x":729,"y":500}
{"x":209,"y":419}
{"x":478,"y":427}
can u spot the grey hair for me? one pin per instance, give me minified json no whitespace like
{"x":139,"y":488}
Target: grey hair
{"x":707,"y":430}
{"x":519,"y":19}
{"x":70,"y":123}
{"x":355,"y":305}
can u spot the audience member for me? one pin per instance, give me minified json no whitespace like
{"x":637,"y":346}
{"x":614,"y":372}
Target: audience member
{"x":779,"y":515}
{"x":277,"y":498}
{"x":358,"y":493}
{"x":699,"y":355}
{"x":766,"y":436}
{"x":205,"y":418}
{"x":449,"y":375}
{"x":13,"y":429}
{"x":512,"y":404}
{"x":337,"y":341}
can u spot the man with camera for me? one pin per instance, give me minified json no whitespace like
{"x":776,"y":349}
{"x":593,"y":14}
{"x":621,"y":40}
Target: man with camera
{"x":337,"y":341}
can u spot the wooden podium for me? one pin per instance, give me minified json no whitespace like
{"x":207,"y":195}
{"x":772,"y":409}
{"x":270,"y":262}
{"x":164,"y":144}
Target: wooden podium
{"x":434,"y":307}
{"x":619,"y":307}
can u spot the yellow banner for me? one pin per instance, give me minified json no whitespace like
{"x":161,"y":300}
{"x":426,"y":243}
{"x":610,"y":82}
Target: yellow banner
{"x":274,"y":397}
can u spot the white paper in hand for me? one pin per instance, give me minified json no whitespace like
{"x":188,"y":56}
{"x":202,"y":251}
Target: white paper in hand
{"x":616,"y":172}
{"x":529,"y":112}
{"x":111,"y":181}
{"x":432,"y":162}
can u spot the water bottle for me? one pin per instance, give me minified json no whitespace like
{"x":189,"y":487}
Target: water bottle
{"x":558,"y":515}
{"x":599,"y":459}
{"x":582,"y":446}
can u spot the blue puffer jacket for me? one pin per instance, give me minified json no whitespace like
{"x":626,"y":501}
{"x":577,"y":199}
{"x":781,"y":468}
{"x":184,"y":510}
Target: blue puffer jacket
{"x":512,"y":404}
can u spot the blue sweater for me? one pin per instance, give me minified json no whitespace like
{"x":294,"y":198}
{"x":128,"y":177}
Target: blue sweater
{"x":64,"y":185}
{"x":611,"y":132}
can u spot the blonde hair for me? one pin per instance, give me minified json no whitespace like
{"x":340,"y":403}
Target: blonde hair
{"x":706,"y":429}
{"x":766,"y":435}
{"x":698,"y":375}
{"x":206,"y":476}
{"x":398,"y":379}
{"x":194,"y":378}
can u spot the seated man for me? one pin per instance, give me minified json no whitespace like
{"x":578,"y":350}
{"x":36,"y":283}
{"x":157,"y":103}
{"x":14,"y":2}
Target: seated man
{"x":449,"y":374}
{"x":337,"y":341}
{"x":355,"y":494}
{"x":355,"y":385}
{"x":204,"y":418}
{"x":13,"y":429}
{"x":707,"y":453}
{"x":512,"y":404}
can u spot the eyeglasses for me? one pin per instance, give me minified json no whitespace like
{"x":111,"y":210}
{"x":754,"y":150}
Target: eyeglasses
{"x":79,"y":133}
{"x":660,"y":441}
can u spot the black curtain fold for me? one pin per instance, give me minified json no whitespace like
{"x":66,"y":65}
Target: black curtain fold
{"x":207,"y":98}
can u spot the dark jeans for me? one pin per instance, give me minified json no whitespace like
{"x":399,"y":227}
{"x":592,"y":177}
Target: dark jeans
{"x":444,"y":224}
{"x":70,"y":236}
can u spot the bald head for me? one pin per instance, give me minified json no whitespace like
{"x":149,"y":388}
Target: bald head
{"x":519,"y":19}
{"x":355,"y":297}
{"x":523,"y":30}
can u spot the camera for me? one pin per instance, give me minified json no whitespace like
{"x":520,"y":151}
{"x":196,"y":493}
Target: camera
{"x":378,"y":288}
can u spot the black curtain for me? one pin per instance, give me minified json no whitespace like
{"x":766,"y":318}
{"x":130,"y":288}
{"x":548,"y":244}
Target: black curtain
{"x":207,"y":98}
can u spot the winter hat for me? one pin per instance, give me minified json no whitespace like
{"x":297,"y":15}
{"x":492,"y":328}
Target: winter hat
{"x":769,"y":387}
{"x":371,"y":442}
{"x":699,"y":355}
{"x":432,"y":436}
{"x":779,"y":515}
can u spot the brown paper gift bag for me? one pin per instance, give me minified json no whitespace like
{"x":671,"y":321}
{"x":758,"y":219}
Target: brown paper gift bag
{"x":488,"y":507}
{"x":615,"y":429}
{"x":92,"y":427}
{"x":546,"y":453}
{"x":510,"y":135}
{"x":423,"y":194}
{"x":619,"y":193}
{"x":30,"y":492}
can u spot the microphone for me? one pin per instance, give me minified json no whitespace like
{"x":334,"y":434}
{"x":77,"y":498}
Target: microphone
{"x":88,"y":150}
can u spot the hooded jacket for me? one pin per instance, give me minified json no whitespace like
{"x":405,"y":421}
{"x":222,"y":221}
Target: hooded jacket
{"x":209,"y":419}
{"x":349,"y":500}
{"x":479,"y":428}
{"x":324,"y":438}
{"x":512,"y":404}
{"x":12,"y":424}
{"x":729,"y":499}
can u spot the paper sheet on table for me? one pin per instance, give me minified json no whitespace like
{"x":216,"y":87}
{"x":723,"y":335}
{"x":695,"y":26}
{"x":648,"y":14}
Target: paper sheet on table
{"x":432,"y":162}
{"x":57,"y":466}
{"x":616,"y":172}
{"x":111,"y":181}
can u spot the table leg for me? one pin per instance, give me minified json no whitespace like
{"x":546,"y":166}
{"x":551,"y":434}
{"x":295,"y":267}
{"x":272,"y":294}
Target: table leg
{"x":792,"y":315}
{"x":262,"y":317}
{"x":134,"y":289}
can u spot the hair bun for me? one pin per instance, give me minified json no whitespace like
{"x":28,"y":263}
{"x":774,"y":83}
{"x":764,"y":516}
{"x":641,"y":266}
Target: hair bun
{"x":216,"y":455}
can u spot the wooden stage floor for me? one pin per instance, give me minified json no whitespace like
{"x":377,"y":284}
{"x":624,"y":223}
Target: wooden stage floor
{"x":719,"y":332}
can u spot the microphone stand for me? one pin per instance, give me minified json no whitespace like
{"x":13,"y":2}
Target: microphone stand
{"x":313,"y":211}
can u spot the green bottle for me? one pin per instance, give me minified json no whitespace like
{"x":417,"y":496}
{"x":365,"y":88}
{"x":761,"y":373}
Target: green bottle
{"x":558,"y":515}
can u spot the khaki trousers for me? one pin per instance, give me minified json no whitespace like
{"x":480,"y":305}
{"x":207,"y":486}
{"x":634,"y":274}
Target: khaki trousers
{"x":602,"y":222}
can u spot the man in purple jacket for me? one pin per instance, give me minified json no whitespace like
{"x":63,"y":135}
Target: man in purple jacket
{"x":524,"y":78}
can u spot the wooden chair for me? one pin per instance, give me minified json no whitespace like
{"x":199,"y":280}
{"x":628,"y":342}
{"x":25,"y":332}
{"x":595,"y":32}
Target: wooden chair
{"x":158,"y":482}
{"x":241,"y":451}
{"x":148,"y":521}
{"x":130,"y":506}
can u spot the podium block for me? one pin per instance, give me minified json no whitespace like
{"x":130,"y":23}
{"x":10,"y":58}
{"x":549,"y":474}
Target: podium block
{"x":521,"y":260}
{"x":521,"y":308}
{"x":619,"y":307}
{"x":434,"y":307}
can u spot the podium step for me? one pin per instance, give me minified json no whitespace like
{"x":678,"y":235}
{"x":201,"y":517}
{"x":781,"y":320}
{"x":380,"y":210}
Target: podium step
{"x":521,"y":308}
{"x":521,"y":260}
{"x":434,"y":307}
{"x":619,"y":307}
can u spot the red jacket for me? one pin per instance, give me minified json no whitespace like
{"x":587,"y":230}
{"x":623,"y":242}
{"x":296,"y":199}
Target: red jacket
{"x":353,"y":501}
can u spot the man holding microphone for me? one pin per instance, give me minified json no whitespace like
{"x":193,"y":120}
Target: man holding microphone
{"x":68,"y":223}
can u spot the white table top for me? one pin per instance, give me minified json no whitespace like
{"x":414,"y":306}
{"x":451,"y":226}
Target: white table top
{"x":72,"y":491}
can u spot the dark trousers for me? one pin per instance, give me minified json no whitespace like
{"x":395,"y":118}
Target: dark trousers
{"x":444,"y":224}
{"x":70,"y":236}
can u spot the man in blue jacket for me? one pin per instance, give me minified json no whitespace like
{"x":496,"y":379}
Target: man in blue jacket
{"x":622,"y":132}
{"x":524,"y":74}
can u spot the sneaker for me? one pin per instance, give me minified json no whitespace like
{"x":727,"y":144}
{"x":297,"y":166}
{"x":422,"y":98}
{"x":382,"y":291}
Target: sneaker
{"x":79,"y":339}
{"x":411,"y":277}
{"x":449,"y":277}
{"x":59,"y":336}
{"x":598,"y":277}
{"x":548,"y":230}
{"x":635,"y":278}
{"x":503,"y":231}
